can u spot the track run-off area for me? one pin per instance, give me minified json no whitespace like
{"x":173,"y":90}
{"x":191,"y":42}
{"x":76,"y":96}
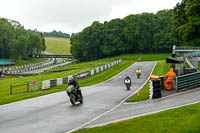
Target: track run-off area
{"x":103,"y":103}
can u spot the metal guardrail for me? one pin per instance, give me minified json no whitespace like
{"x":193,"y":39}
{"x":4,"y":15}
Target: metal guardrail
{"x":189,"y":63}
{"x":188,"y":81}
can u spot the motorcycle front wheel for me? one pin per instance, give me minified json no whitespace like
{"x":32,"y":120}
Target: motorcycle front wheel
{"x":72,"y":99}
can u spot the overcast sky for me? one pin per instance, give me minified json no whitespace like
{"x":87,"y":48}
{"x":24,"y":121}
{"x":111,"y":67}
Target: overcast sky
{"x":74,"y":15}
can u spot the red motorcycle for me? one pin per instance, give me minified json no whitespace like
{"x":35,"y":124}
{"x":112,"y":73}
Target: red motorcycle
{"x":138,"y":74}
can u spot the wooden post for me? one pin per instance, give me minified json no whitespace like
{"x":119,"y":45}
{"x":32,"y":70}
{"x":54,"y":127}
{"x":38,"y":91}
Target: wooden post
{"x":11,"y":90}
{"x":27,"y":87}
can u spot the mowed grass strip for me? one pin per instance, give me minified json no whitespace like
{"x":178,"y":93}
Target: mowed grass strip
{"x":180,"y":120}
{"x":59,"y":46}
{"x":159,"y":70}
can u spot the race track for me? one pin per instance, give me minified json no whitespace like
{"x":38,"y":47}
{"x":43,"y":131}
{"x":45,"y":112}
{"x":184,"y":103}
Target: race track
{"x":54,"y":113}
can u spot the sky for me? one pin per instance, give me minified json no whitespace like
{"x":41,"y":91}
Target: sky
{"x":72,"y":16}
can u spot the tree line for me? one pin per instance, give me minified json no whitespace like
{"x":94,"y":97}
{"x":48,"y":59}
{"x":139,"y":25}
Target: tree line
{"x":137,"y":33}
{"x":56,"y":34}
{"x":140,"y":33}
{"x":17,"y":42}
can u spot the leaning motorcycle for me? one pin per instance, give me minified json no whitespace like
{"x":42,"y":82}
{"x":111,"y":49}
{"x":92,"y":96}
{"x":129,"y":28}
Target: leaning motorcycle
{"x":74,"y":95}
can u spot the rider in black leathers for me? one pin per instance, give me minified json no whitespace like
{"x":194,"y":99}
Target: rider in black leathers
{"x":127,"y":81}
{"x":76,"y":86}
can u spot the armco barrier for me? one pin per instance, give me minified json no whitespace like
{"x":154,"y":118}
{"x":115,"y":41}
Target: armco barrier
{"x":60,"y":81}
{"x":188,"y":81}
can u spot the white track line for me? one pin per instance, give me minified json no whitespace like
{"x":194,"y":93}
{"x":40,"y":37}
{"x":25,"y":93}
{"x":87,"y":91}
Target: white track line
{"x":83,"y":125}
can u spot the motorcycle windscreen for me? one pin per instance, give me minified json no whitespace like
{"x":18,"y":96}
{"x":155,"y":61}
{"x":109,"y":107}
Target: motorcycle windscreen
{"x":70,"y":88}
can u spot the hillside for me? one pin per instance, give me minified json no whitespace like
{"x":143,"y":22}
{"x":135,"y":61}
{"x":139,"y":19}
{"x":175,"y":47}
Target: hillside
{"x":60,"y":46}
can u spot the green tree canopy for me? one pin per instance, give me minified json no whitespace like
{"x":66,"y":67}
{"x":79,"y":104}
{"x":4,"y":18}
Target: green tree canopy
{"x":137,"y":33}
{"x":16,"y":42}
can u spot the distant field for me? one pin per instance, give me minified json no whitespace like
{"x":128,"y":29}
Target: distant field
{"x":60,"y":46}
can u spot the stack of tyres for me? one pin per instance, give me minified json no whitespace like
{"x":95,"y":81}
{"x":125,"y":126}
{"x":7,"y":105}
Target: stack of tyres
{"x":156,"y":88}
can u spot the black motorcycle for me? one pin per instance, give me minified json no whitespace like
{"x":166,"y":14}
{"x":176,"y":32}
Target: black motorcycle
{"x":74,"y":95}
{"x":127,"y":82}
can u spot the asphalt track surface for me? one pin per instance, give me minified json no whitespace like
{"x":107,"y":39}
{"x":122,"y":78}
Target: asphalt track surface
{"x":127,"y":111}
{"x":58,"y":60}
{"x":54,"y":113}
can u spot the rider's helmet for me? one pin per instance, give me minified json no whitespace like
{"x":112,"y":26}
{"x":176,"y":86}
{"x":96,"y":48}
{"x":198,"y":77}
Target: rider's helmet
{"x":71,"y":79}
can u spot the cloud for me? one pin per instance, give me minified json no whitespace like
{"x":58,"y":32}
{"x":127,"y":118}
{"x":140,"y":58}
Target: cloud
{"x":70,"y":15}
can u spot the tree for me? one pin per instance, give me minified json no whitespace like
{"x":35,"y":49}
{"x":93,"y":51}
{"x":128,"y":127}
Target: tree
{"x":19,"y":49}
{"x":187,"y":22}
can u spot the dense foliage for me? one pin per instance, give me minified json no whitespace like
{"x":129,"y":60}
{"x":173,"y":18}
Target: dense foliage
{"x":186,"y":27}
{"x":56,"y":34}
{"x":16,"y":42}
{"x":140,"y":33}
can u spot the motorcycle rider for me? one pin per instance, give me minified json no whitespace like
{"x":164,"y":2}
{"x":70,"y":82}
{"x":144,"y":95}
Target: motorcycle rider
{"x":73,"y":82}
{"x":138,"y":72}
{"x":127,"y":82}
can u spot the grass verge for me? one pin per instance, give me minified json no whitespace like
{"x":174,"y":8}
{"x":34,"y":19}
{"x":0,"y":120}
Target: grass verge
{"x":180,"y":120}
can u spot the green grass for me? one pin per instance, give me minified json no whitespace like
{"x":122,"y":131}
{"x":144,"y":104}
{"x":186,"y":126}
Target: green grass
{"x":59,"y":46}
{"x":21,"y":62}
{"x":145,"y":57}
{"x":160,"y":70}
{"x":180,"y":120}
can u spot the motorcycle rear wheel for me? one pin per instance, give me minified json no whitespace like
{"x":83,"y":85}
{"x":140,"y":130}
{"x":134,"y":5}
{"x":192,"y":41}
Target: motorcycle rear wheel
{"x":81,"y":100}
